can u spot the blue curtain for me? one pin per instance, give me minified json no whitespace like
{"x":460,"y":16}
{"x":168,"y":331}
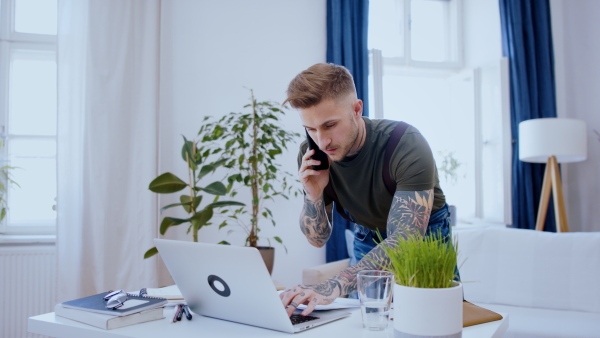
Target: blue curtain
{"x":347,"y":22}
{"x":527,"y":42}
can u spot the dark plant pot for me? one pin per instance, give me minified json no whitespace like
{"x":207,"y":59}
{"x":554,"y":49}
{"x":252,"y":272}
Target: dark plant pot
{"x":268,"y":255}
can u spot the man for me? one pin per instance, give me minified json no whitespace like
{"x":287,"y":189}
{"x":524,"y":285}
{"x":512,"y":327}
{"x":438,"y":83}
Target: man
{"x":355,"y":145}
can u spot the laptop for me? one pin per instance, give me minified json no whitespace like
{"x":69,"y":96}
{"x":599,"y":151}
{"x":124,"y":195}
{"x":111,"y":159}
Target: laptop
{"x":232,"y":283}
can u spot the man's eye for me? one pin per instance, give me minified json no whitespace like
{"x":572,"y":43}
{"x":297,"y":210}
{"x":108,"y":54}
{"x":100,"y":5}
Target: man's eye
{"x":330,"y":125}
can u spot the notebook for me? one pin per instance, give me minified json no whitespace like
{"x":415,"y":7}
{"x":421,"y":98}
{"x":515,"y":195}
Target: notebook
{"x":108,"y":322}
{"x":231,"y":283}
{"x":473,"y":314}
{"x":97,"y":304}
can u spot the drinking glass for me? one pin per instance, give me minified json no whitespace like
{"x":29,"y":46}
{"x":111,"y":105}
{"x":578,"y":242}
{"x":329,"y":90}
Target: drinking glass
{"x":375,"y":293}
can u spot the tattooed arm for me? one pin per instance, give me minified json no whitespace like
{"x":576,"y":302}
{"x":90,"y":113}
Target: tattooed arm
{"x":315,"y":222}
{"x":409,"y":213}
{"x":314,"y":216}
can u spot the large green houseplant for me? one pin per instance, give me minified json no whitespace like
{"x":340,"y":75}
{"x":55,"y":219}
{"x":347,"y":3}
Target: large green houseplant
{"x":252,"y":141}
{"x":201,"y":159}
{"x":425,"y":290}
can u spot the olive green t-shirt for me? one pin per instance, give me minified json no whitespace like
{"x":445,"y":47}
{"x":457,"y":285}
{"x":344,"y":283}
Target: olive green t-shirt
{"x":359,"y":184}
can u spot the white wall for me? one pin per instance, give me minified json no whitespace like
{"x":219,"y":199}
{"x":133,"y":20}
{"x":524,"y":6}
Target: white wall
{"x":211,"y":52}
{"x":577,"y":51}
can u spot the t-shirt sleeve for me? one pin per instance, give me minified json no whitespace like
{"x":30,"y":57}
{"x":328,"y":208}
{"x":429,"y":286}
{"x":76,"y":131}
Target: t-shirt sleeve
{"x":412,"y":163}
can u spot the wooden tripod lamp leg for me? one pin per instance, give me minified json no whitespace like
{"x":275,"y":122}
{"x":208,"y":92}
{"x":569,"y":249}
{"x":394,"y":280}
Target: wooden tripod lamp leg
{"x":544,"y":198}
{"x":562,"y":224}
{"x":552,"y":181}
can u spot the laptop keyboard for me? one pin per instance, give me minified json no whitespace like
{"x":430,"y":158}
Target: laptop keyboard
{"x":297,"y":319}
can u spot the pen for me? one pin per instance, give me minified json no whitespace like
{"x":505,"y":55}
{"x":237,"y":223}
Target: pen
{"x":188,"y":314}
{"x":178,"y":311}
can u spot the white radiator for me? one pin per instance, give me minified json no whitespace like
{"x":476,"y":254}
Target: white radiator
{"x":27,"y":286}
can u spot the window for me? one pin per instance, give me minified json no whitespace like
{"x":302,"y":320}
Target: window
{"x":417,"y":33}
{"x":419,"y":75}
{"x":28,"y":93}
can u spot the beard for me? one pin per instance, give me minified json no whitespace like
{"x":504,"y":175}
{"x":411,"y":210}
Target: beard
{"x":348,"y":144}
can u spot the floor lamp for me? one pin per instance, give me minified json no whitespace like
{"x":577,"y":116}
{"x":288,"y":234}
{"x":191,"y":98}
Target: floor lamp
{"x":553,"y":141}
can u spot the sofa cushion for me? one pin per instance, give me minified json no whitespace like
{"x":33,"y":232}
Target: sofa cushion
{"x":530,"y":268}
{"x":320,"y":273}
{"x":543,"y":323}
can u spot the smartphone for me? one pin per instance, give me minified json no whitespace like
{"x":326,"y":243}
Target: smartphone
{"x":319,"y":154}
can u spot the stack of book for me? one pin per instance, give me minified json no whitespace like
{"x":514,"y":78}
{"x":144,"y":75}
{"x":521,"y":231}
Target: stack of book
{"x":92,"y":310}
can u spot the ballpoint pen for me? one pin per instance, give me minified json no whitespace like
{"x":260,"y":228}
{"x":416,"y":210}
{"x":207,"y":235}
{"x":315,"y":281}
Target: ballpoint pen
{"x":187,"y":312}
{"x":178,"y":312}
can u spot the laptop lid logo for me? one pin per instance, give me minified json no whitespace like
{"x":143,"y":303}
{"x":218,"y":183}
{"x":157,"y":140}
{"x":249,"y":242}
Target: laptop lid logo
{"x":219,"y":286}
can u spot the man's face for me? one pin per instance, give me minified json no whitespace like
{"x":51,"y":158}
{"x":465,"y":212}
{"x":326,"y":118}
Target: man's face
{"x":334,"y":125}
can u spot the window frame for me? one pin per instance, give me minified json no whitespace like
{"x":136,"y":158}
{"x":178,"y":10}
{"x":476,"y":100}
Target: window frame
{"x":454,"y":18}
{"x":453,"y":61}
{"x":12,"y":42}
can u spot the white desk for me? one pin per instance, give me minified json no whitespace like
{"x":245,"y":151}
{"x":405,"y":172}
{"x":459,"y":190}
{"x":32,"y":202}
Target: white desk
{"x":51,"y":325}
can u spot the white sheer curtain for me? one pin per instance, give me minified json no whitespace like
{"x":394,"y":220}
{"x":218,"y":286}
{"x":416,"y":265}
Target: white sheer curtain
{"x":108,"y":66}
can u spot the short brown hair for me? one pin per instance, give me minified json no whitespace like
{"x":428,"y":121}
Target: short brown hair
{"x":318,"y":82}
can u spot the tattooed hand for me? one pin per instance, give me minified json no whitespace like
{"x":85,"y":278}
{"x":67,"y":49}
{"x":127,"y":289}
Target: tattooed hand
{"x":310,"y":295}
{"x":313,"y":181}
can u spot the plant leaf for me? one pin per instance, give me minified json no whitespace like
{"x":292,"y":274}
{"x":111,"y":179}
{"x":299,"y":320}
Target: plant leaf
{"x":188,"y":151}
{"x":205,"y":170}
{"x":167,"y":183}
{"x":225,"y":204}
{"x":170,"y":206}
{"x":274,"y":152}
{"x":197,"y":201}
{"x":186,"y":203}
{"x":234,"y":177}
{"x":216,"y":188}
{"x":203,"y":216}
{"x":266,"y":187}
{"x":168,"y":222}
{"x":151,"y":253}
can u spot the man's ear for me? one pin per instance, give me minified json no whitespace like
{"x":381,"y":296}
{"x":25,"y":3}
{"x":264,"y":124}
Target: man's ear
{"x":358,"y":108}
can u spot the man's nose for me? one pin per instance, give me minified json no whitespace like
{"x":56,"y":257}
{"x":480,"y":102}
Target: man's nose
{"x":322,"y":140}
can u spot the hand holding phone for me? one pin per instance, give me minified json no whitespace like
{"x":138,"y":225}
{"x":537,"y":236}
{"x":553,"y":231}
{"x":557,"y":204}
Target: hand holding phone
{"x":319,"y":154}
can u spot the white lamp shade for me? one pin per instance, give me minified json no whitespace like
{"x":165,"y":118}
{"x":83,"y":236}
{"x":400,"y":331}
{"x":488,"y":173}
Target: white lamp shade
{"x":541,"y":138}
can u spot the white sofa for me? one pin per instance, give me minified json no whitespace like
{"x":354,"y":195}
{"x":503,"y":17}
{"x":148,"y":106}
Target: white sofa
{"x":548,"y":283}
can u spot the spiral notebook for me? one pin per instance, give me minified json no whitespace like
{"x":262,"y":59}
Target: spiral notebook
{"x":97,"y":304}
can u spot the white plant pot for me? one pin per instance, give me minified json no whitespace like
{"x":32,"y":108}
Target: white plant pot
{"x":420,"y":312}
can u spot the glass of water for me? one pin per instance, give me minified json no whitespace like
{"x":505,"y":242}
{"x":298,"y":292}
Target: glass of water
{"x":375,"y":293}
